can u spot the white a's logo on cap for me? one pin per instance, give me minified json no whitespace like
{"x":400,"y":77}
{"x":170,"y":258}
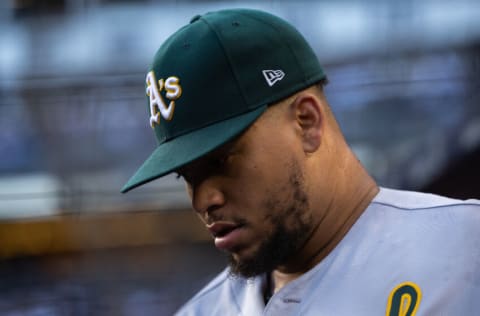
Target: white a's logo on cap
{"x":173,"y":90}
{"x":273,"y":76}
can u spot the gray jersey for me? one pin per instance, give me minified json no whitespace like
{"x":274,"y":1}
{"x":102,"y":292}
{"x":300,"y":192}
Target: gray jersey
{"x":408,"y":254}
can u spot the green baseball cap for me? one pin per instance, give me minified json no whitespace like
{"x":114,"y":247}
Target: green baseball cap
{"x":214,"y":77}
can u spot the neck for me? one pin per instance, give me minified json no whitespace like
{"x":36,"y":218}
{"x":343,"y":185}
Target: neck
{"x":350,"y":195}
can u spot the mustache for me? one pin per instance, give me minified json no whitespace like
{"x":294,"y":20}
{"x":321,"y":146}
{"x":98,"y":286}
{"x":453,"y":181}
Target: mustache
{"x":214,"y":218}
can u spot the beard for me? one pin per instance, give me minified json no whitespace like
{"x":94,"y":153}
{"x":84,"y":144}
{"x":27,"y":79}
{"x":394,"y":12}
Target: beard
{"x":291,"y":225}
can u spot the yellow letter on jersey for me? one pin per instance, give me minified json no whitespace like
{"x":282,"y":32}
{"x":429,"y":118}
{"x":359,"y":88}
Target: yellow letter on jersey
{"x":404,"y":300}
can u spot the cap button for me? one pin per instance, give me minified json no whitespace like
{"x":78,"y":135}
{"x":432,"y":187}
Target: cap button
{"x":195,"y":18}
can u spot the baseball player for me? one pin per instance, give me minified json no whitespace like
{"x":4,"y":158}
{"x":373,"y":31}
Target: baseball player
{"x":236,"y":103}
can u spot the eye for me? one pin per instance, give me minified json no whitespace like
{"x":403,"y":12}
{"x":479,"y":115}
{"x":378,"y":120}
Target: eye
{"x":222,"y":160}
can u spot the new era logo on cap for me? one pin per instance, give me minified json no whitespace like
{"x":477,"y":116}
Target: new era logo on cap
{"x":272,"y":76}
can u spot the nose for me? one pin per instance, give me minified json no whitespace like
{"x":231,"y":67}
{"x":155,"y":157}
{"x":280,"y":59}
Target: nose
{"x":206,"y":196}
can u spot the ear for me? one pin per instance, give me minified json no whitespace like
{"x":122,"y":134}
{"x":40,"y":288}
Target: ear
{"x":309,"y":119}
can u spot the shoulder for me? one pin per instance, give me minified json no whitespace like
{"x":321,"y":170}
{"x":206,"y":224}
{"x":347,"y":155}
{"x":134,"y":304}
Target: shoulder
{"x":418,"y":201}
{"x":206,"y":302}
{"x":427,"y":225}
{"x":430,"y":240}
{"x":423,"y":214}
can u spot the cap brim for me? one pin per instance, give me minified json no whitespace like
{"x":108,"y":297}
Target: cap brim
{"x":183,"y":149}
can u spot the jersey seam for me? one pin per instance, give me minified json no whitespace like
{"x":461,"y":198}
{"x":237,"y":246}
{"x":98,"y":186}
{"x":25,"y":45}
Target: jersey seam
{"x":426,"y":207}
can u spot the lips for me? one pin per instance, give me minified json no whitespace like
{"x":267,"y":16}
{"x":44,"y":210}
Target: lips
{"x":220,"y":229}
{"x":227,"y":235}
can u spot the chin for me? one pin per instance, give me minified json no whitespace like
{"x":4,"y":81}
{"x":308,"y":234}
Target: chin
{"x":249,"y":264}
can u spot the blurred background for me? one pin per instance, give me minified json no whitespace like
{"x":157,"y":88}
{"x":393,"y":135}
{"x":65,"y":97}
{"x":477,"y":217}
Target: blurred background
{"x":404,"y":83}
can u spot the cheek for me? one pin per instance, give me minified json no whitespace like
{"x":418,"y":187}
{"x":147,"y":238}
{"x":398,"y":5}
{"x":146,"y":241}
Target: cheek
{"x":260,"y":181}
{"x":250,"y":187}
{"x":258,"y":204}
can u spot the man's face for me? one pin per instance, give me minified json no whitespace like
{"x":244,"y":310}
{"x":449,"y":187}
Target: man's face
{"x":251,"y":195}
